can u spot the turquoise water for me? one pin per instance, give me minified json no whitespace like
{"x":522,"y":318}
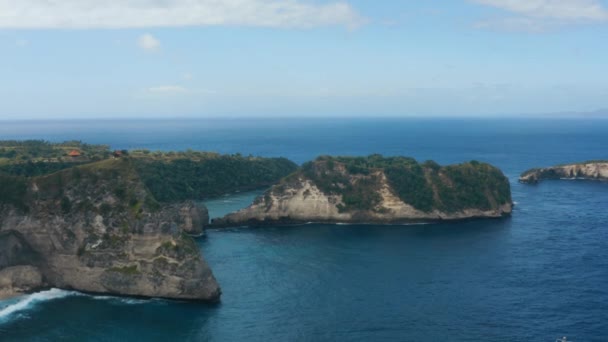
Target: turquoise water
{"x":226,"y":204}
{"x":537,"y":276}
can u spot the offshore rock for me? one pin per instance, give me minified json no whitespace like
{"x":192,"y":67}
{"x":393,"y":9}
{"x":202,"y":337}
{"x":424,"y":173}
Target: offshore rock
{"x":595,"y":170}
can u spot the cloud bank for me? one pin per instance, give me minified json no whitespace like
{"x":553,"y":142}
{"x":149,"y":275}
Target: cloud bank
{"x":543,"y":15}
{"x":112,"y":14}
{"x":554,"y":9}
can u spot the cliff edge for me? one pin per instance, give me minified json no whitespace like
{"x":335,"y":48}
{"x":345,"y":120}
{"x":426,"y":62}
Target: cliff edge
{"x":96,"y":228}
{"x":376,"y":189}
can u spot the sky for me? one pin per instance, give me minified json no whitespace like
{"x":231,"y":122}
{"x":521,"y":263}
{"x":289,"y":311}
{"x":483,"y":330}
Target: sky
{"x":254,"y":58}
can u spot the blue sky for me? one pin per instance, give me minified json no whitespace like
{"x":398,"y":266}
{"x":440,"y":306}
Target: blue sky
{"x":206,"y":58}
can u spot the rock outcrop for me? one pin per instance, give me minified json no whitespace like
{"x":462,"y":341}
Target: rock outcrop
{"x":96,"y":228}
{"x":379,"y":190}
{"x":594,"y":170}
{"x":16,"y":280}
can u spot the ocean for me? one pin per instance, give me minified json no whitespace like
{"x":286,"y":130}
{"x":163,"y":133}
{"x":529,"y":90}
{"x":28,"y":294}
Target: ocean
{"x":537,"y":276}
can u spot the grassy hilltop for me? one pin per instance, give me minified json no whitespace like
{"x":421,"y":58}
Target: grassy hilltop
{"x":169,"y":176}
{"x":426,"y":186}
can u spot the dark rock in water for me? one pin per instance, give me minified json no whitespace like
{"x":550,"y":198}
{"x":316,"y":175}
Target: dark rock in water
{"x":96,"y":228}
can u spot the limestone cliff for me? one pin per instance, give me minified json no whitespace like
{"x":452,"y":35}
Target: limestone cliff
{"x":96,"y":228}
{"x":594,"y":170}
{"x":379,"y":190}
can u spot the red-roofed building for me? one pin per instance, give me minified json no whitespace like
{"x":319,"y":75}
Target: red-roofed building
{"x":74,"y":153}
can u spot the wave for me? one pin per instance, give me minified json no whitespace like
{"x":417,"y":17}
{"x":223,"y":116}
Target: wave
{"x":30,"y":301}
{"x":122,"y":300}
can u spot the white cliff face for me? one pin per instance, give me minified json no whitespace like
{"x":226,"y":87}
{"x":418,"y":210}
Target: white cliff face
{"x":303,"y":202}
{"x":591,"y":170}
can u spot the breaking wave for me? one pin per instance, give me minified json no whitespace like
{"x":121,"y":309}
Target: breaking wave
{"x":30,"y":301}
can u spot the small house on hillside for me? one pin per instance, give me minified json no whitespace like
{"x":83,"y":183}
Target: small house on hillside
{"x":117,"y":154}
{"x":74,"y":154}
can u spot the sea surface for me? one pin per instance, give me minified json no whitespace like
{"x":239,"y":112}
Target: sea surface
{"x":537,"y":276}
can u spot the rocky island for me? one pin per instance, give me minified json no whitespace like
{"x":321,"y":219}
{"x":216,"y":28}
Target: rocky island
{"x":77,"y":216}
{"x":376,"y":189}
{"x":591,"y":170}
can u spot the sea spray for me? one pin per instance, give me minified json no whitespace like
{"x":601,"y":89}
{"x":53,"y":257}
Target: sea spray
{"x":29,"y":301}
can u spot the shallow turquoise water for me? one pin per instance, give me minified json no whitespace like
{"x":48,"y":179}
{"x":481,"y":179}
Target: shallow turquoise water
{"x":539,"y":275}
{"x":226,"y":204}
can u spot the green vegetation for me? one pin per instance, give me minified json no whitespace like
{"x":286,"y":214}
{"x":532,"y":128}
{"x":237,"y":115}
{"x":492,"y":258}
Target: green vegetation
{"x":357,"y":194}
{"x":411,"y":185}
{"x":207,"y":175}
{"x":169,"y":176}
{"x":128,"y":270}
{"x":13,"y":191}
{"x":425,"y":186}
{"x":181,"y":246}
{"x":32,"y":158}
{"x":471,"y":185}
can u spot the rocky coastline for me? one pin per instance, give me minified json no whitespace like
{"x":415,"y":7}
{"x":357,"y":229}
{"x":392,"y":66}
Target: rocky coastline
{"x":300,"y":199}
{"x":95,"y":228}
{"x":593,"y":170}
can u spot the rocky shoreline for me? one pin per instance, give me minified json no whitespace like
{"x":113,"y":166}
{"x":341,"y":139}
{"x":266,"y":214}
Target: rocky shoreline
{"x":101,"y":232}
{"x":98,"y":228}
{"x":594,"y":170}
{"x":300,"y":200}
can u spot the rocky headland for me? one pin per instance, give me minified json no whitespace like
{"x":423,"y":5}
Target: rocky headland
{"x":79,"y":216}
{"x":375,"y":189}
{"x":96,"y":228}
{"x":592,"y":170}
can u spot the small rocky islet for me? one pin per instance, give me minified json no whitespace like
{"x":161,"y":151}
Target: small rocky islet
{"x":590,"y":170}
{"x":83,"y":217}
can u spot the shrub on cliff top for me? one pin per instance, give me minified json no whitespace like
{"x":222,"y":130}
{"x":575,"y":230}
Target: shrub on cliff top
{"x":182,"y":179}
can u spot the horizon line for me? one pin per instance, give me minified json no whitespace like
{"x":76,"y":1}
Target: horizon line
{"x":586,"y":115}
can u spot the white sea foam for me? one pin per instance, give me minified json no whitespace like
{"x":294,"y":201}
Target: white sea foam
{"x":29,"y":301}
{"x":123,"y":300}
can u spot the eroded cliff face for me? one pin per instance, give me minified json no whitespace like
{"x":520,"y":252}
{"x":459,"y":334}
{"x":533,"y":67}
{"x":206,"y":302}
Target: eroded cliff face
{"x":589,"y":170}
{"x":97,"y":229}
{"x":300,"y":200}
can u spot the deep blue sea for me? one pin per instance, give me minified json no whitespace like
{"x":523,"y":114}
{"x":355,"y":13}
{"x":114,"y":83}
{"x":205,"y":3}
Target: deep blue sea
{"x":537,"y":276}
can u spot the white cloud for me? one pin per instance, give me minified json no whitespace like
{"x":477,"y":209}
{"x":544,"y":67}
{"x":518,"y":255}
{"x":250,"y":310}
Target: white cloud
{"x":83,"y":14}
{"x":148,"y":42}
{"x":542,"y":15}
{"x":552,"y":9}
